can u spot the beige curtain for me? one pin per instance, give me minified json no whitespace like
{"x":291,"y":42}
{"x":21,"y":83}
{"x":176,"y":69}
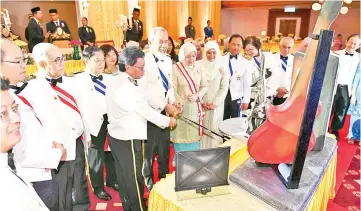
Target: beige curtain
{"x":102,"y":17}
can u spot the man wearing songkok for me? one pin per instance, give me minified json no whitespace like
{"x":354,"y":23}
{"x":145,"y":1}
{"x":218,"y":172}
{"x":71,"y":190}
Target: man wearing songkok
{"x":56,"y":22}
{"x":35,"y":30}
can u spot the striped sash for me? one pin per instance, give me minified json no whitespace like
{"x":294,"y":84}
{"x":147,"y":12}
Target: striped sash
{"x":193,"y":88}
{"x":99,"y":86}
{"x":66,"y":98}
{"x":26,"y":102}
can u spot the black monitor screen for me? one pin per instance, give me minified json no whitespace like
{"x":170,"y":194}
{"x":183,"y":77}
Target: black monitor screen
{"x":202,"y":168}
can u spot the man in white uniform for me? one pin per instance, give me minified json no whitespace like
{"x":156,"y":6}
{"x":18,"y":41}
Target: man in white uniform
{"x":279,"y":84}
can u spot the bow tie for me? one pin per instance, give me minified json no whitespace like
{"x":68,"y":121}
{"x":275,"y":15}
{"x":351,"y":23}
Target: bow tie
{"x":156,"y":59}
{"x":18,"y":89}
{"x":231,"y":57}
{"x":95,"y":78}
{"x":348,"y":54}
{"x":55,"y":81}
{"x":284,"y":57}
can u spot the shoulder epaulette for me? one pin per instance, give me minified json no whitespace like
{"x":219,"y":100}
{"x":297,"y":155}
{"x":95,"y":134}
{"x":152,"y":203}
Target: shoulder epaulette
{"x":30,"y":77}
{"x":247,"y":57}
{"x":133,"y":81}
{"x":274,"y":52}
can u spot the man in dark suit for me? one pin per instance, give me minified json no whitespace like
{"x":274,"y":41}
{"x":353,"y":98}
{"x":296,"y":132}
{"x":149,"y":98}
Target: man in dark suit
{"x":35,"y":29}
{"x":136,"y":32}
{"x":86,"y":33}
{"x":56,"y":22}
{"x":30,"y":16}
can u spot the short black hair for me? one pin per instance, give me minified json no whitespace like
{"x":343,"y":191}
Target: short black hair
{"x":90,"y":51}
{"x":136,"y":10}
{"x":235,"y":36}
{"x":5,"y":83}
{"x":106,"y":49}
{"x":339,"y":35}
{"x":190,"y":18}
{"x":353,"y":35}
{"x":85,"y":18}
{"x":253,"y":41}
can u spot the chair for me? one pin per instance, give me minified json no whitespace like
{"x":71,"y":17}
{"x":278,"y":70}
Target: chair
{"x":103,"y":42}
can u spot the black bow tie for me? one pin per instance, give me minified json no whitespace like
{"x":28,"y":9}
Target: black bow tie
{"x":156,"y":59}
{"x":231,"y":57}
{"x":94,"y":78}
{"x":348,"y":54}
{"x":18,"y":89}
{"x":11,"y":162}
{"x":284,"y":57}
{"x":54,"y":81}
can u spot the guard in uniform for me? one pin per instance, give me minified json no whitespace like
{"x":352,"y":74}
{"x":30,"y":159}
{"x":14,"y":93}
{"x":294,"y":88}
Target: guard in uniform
{"x":349,"y":60}
{"x":136,"y":32}
{"x":60,"y":91}
{"x":279,"y":84}
{"x":86,"y":33}
{"x":240,"y":71}
{"x":91,"y":92}
{"x":160,"y":96}
{"x":128,"y":113}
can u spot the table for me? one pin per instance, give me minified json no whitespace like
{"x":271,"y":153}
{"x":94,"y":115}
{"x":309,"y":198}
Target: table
{"x":163,"y":196}
{"x":71,"y":66}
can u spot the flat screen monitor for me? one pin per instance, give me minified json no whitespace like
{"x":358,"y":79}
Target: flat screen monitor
{"x":202,"y":169}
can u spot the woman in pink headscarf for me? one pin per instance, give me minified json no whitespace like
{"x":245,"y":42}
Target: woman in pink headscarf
{"x":190,"y":85}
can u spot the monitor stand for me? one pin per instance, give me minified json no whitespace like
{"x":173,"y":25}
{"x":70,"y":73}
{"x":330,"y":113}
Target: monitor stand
{"x":202,"y":192}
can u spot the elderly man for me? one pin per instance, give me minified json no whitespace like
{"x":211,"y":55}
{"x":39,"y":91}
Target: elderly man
{"x":16,"y":193}
{"x":37,"y":153}
{"x":60,"y":92}
{"x":240,"y":74}
{"x":160,"y":95}
{"x":91,"y":88}
{"x":279,"y":84}
{"x":128,"y":113}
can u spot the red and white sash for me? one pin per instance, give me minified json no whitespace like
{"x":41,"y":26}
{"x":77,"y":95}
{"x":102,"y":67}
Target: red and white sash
{"x":66,"y":98}
{"x":192,"y":87}
{"x":26,"y":102}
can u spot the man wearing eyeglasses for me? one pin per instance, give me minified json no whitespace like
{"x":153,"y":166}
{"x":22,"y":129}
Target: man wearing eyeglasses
{"x":16,"y":192}
{"x":39,"y":151}
{"x":60,"y":92}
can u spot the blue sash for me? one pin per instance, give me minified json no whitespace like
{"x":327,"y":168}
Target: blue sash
{"x":100,"y":87}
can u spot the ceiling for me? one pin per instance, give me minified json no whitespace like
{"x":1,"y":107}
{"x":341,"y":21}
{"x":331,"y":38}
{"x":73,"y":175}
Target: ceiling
{"x":273,"y":4}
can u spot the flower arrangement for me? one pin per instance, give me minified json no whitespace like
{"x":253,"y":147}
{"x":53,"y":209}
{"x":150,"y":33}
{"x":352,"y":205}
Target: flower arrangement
{"x":20,"y":43}
{"x":75,"y":43}
{"x":221,"y":38}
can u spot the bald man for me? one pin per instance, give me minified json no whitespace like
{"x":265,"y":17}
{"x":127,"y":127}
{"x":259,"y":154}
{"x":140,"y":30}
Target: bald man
{"x":60,"y":92}
{"x":279,"y":84}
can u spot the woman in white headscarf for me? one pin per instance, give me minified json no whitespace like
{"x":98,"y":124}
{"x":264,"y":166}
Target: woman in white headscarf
{"x":190,"y":85}
{"x":218,"y":83}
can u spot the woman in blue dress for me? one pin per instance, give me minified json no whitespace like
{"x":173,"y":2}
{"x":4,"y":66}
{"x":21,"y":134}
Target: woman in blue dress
{"x":208,"y":31}
{"x":355,"y":108}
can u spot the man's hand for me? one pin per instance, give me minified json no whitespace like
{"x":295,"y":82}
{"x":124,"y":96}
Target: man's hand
{"x":353,"y":100}
{"x":170,"y":109}
{"x":281,"y":92}
{"x":244,"y":106}
{"x":211,"y":106}
{"x":172,"y":122}
{"x":47,"y":35}
{"x":56,"y":145}
{"x":178,"y":106}
{"x":192,"y":97}
{"x":89,"y":144}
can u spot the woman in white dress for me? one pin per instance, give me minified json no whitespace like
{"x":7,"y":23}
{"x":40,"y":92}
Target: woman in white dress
{"x":213,"y":100}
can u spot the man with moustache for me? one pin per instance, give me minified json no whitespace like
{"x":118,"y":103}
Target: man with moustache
{"x":160,"y":96}
{"x":240,"y":73}
{"x":37,"y":153}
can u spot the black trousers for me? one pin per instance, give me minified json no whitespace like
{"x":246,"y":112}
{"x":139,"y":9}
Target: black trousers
{"x":341,"y":102}
{"x":97,"y":157}
{"x":231,"y":107}
{"x":278,"y":101}
{"x":128,"y":157}
{"x":73,"y":187}
{"x":48,"y":192}
{"x":158,"y":142}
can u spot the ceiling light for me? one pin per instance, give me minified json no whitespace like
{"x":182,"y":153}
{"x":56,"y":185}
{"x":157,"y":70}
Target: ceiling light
{"x":316,"y":6}
{"x":290,"y":9}
{"x":347,"y":1}
{"x":344,"y":10}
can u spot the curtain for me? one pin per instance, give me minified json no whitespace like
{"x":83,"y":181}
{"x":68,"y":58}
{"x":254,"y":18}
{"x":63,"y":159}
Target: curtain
{"x":102,"y":17}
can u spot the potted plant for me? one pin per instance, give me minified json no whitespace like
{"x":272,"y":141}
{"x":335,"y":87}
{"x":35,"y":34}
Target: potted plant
{"x":75,"y":44}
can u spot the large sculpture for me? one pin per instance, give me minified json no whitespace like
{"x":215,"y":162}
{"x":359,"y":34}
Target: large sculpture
{"x":277,"y":140}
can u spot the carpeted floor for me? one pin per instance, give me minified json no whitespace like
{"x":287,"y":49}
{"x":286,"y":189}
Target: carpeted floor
{"x":347,"y":180}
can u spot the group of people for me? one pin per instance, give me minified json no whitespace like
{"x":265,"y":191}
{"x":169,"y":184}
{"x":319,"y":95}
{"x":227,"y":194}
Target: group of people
{"x":127,"y":107}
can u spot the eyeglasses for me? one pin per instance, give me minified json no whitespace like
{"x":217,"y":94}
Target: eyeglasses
{"x":21,"y":61}
{"x":59,"y":60}
{"x":7,"y":115}
{"x":139,"y":68}
{"x":99,"y":61}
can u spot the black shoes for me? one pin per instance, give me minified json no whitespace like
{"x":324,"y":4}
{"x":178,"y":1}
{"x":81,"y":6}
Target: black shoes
{"x":114,"y":186}
{"x":103,"y":195}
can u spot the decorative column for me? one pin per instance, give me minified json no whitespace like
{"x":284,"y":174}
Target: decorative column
{"x":81,"y":10}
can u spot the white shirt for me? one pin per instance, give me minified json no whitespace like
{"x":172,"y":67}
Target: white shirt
{"x":279,"y":77}
{"x":154,"y":83}
{"x":241,"y":79}
{"x":128,"y":110}
{"x":34,"y":153}
{"x":347,"y":68}
{"x":16,"y":193}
